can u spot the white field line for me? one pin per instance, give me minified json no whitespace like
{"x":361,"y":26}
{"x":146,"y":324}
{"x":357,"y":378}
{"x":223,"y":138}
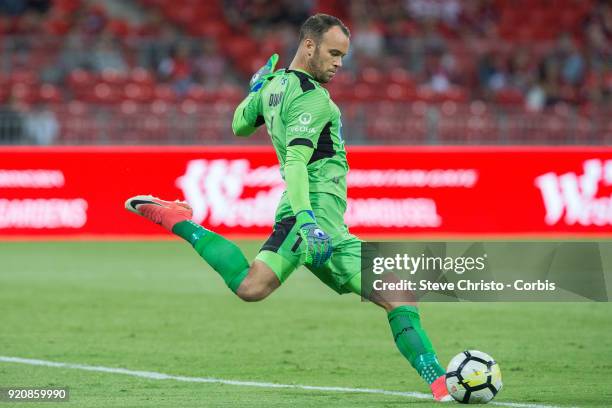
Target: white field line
{"x":152,"y":375}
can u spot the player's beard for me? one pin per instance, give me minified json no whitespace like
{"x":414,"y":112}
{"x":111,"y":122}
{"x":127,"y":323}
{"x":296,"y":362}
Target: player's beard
{"x":315,"y":66}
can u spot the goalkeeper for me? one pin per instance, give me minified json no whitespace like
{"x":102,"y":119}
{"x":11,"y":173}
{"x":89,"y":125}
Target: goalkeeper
{"x":305,"y":127}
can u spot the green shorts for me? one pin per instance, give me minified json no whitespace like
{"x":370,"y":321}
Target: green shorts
{"x":284,"y":250}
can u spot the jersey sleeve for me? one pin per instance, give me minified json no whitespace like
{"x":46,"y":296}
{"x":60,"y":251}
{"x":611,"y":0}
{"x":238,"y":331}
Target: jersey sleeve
{"x":296,"y":177}
{"x":248,"y":115}
{"x":307,"y":115}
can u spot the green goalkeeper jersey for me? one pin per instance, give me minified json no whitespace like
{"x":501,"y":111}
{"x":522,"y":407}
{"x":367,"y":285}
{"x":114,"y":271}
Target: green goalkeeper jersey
{"x":297,"y":110}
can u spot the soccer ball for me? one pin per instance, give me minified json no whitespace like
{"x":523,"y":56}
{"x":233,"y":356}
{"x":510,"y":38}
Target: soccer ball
{"x":473,"y":377}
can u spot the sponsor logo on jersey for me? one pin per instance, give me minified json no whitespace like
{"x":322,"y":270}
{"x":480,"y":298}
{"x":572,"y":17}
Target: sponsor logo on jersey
{"x":302,"y":129}
{"x":305,"y":118}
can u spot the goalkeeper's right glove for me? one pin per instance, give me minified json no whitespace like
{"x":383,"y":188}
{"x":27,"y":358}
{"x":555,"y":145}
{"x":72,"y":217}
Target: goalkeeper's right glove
{"x":319,"y":246}
{"x":259,"y":78}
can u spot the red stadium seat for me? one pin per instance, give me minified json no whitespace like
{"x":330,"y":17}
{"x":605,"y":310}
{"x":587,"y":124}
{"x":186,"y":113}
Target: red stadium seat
{"x":113,"y":77}
{"x":50,"y":94}
{"x":388,"y":101}
{"x":80,"y":82}
{"x":165,"y":93}
{"x":467,"y":124}
{"x":24,"y":93}
{"x":141,"y":76}
{"x":119,"y":28}
{"x":138,"y":92}
{"x":402,"y":77}
{"x":364,"y":92}
{"x":454,"y":94}
{"x":208,"y":28}
{"x":78,"y":124}
{"x":155,"y":123}
{"x":103,"y":94}
{"x":237,"y":47}
{"x":229,"y":93}
{"x":371,"y":76}
{"x":198,"y":94}
{"x":24,"y":77}
{"x":67,"y":6}
{"x":400,"y":93}
{"x":509,"y":96}
{"x":397,"y":123}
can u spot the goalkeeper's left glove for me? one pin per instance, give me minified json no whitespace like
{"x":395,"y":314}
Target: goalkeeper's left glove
{"x":319,"y":246}
{"x":259,"y":78}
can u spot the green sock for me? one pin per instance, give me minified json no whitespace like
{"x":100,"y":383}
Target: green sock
{"x":222,"y":255}
{"x":413,"y":343}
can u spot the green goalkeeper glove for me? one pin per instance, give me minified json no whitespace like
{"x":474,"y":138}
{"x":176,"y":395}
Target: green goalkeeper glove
{"x":319,"y":246}
{"x":259,"y":78}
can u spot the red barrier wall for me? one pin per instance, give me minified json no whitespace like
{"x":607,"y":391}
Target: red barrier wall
{"x":395,"y":191}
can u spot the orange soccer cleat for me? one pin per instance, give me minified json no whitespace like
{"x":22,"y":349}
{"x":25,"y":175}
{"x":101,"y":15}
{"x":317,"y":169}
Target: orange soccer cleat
{"x":439,"y":391}
{"x":165,"y":213}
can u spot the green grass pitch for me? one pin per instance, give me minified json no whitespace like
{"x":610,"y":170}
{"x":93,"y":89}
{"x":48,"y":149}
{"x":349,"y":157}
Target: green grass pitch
{"x":155,"y":306}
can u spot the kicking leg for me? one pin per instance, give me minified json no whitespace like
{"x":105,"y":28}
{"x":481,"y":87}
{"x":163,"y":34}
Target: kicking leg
{"x":259,"y":283}
{"x":410,"y":338}
{"x":250,"y":282}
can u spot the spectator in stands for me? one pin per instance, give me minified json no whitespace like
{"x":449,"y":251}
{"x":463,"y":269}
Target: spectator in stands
{"x":153,"y":50}
{"x":485,"y":68}
{"x":367,"y":40}
{"x":476,"y":19}
{"x":209,"y":66}
{"x":535,"y":98}
{"x":396,"y":34}
{"x":91,"y":19}
{"x":296,"y":12}
{"x":439,"y":72}
{"x":152,"y":24}
{"x":254,"y":14}
{"x":426,"y":49}
{"x":11,"y":124}
{"x":288,"y":36}
{"x":487,"y":49}
{"x":388,"y":11}
{"x":571,"y":60}
{"x":598,"y":36}
{"x":445,"y":10}
{"x":40,"y":125}
{"x":523,"y":69}
{"x":30,"y":23}
{"x":73,"y":55}
{"x":107,"y":55}
{"x":177,"y":68}
{"x":549,"y":74}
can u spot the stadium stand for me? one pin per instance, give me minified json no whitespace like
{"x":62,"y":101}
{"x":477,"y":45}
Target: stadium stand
{"x":420,"y":71}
